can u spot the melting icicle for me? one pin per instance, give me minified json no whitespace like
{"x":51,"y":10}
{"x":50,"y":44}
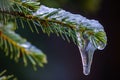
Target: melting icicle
{"x":87,"y":52}
{"x":87,"y":43}
{"x":91,"y":43}
{"x":87,"y":55}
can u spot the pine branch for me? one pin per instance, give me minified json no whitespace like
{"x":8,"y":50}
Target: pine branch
{"x":48,"y":26}
{"x":49,"y":18}
{"x":35,"y":18}
{"x":18,"y":48}
{"x":8,"y":77}
{"x":89,"y":35}
{"x":28,"y":5}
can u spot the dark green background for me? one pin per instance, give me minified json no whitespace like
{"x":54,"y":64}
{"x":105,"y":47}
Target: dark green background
{"x":64,"y":61}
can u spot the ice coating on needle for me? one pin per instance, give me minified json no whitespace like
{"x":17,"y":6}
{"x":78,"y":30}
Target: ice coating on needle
{"x":61,"y":14}
{"x":86,"y":44}
{"x":30,"y":47}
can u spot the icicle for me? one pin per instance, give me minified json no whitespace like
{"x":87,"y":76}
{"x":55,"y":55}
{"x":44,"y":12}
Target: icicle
{"x":87,"y":52}
{"x":87,"y":56}
{"x":87,"y":44}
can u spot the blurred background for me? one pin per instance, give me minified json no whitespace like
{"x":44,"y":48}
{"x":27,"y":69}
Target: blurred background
{"x":64,"y":61}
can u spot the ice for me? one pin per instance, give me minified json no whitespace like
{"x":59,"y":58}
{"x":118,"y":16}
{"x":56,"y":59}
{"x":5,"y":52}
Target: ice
{"x":87,"y":56}
{"x":86,"y":52}
{"x":60,"y":15}
{"x":26,"y":45}
{"x":34,"y":49}
{"x":76,"y":18}
{"x":101,"y":46}
{"x":44,"y":10}
{"x":30,"y":47}
{"x":85,"y":45}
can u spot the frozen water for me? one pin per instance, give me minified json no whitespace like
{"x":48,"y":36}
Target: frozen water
{"x":26,"y":45}
{"x":87,"y":55}
{"x":30,"y":47}
{"x":86,"y":46}
{"x":87,"y":52}
{"x":76,"y":18}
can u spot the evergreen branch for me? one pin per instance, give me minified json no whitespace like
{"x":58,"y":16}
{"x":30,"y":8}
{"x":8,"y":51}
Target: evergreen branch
{"x":89,"y":35}
{"x":4,"y":5}
{"x":28,"y":5}
{"x":47,"y":25}
{"x":20,"y":11}
{"x":54,"y":21}
{"x":35,"y":18}
{"x":57,"y":21}
{"x":8,"y":77}
{"x":18,"y":48}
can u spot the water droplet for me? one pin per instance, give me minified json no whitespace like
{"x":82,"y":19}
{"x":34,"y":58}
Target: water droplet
{"x":101,"y":47}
